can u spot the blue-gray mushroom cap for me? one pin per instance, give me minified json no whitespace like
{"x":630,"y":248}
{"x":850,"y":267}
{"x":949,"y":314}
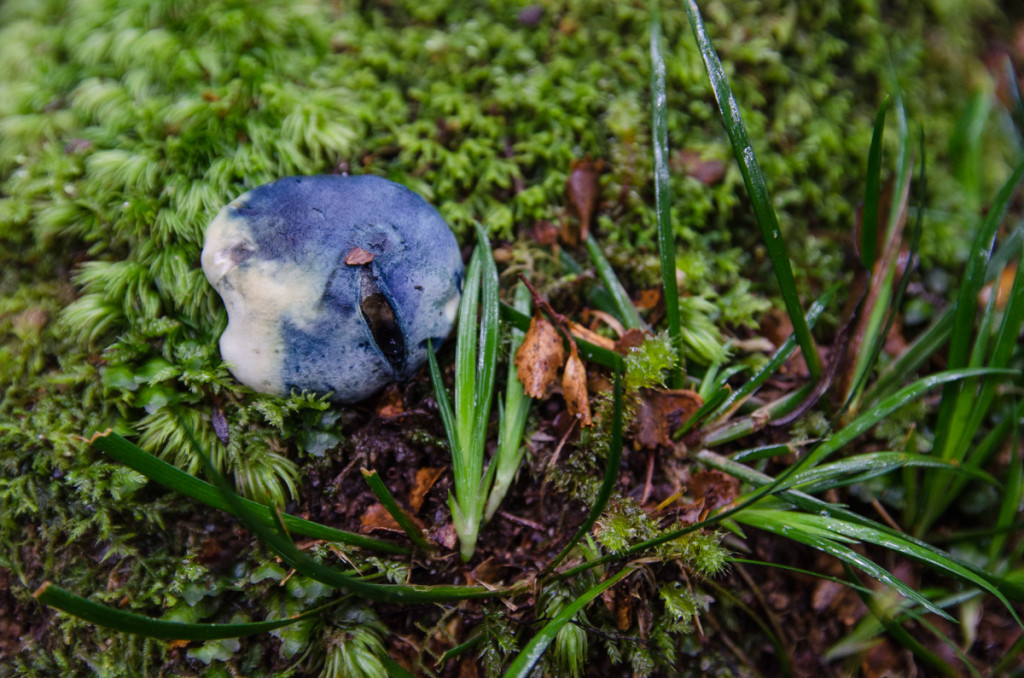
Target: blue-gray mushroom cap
{"x":331,"y":283}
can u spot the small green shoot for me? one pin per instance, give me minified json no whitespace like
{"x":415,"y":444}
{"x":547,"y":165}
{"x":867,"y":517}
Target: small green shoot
{"x":476,"y":355}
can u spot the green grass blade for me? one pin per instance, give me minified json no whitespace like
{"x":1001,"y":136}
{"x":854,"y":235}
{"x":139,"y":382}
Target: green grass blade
{"x":804,"y":529}
{"x":873,"y":532}
{"x":866,"y":362}
{"x":384,"y":496}
{"x":872,"y":192}
{"x":966,"y":305}
{"x":728,"y":431}
{"x":513,"y":417}
{"x":611,"y":474}
{"x":757,"y":188}
{"x":896,"y":630}
{"x":623,"y":304}
{"x":487,"y":360}
{"x":466,"y":372}
{"x":444,"y":406}
{"x":523,"y":664}
{"x":175,"y":479}
{"x":121,"y":620}
{"x":663,"y":197}
{"x":864,"y":467}
{"x":887,"y":407}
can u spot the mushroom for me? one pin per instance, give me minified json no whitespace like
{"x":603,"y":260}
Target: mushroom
{"x":332,"y":284}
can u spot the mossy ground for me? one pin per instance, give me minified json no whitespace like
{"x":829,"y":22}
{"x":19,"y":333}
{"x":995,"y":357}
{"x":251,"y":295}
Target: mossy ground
{"x":124,"y":126}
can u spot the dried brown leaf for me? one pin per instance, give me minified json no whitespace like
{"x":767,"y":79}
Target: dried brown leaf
{"x":425,"y":479}
{"x":357,"y":256}
{"x":574,"y":386}
{"x":377,"y":518}
{"x":539,"y":357}
{"x":581,"y":191}
{"x":660,"y":412}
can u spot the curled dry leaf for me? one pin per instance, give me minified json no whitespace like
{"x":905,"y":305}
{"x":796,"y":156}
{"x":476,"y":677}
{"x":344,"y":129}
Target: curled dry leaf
{"x":574,"y":386}
{"x":660,"y":412}
{"x":357,"y":256}
{"x":539,"y":357}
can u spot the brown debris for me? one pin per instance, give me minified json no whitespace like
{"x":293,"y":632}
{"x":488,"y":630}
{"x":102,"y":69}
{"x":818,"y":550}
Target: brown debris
{"x":425,"y":479}
{"x":631,"y":339}
{"x":544,"y":233}
{"x":539,"y":357}
{"x":581,"y":191}
{"x":714,"y":488}
{"x":659,"y":412}
{"x":357,"y":256}
{"x":574,"y":386}
{"x":707,"y":172}
{"x":377,"y":517}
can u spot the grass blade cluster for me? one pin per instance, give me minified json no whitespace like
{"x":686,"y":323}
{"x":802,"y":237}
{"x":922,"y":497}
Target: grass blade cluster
{"x":476,"y":357}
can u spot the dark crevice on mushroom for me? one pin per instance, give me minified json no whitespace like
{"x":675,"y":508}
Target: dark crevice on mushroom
{"x":380,"y":316}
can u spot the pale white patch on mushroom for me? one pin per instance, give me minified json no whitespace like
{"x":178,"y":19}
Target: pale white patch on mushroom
{"x":223,"y":235}
{"x":258,"y":296}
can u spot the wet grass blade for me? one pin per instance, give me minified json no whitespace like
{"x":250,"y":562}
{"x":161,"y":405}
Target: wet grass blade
{"x":663,"y":197}
{"x":872,"y":192}
{"x":384,"y":496}
{"x":858,"y":527}
{"x":623,"y":304}
{"x":523,"y":664}
{"x":512,"y":417}
{"x":817,"y":534}
{"x":121,"y":620}
{"x":864,"y":467}
{"x":611,"y":474}
{"x":175,"y":479}
{"x":896,"y":630}
{"x":966,"y":305}
{"x":757,"y":188}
